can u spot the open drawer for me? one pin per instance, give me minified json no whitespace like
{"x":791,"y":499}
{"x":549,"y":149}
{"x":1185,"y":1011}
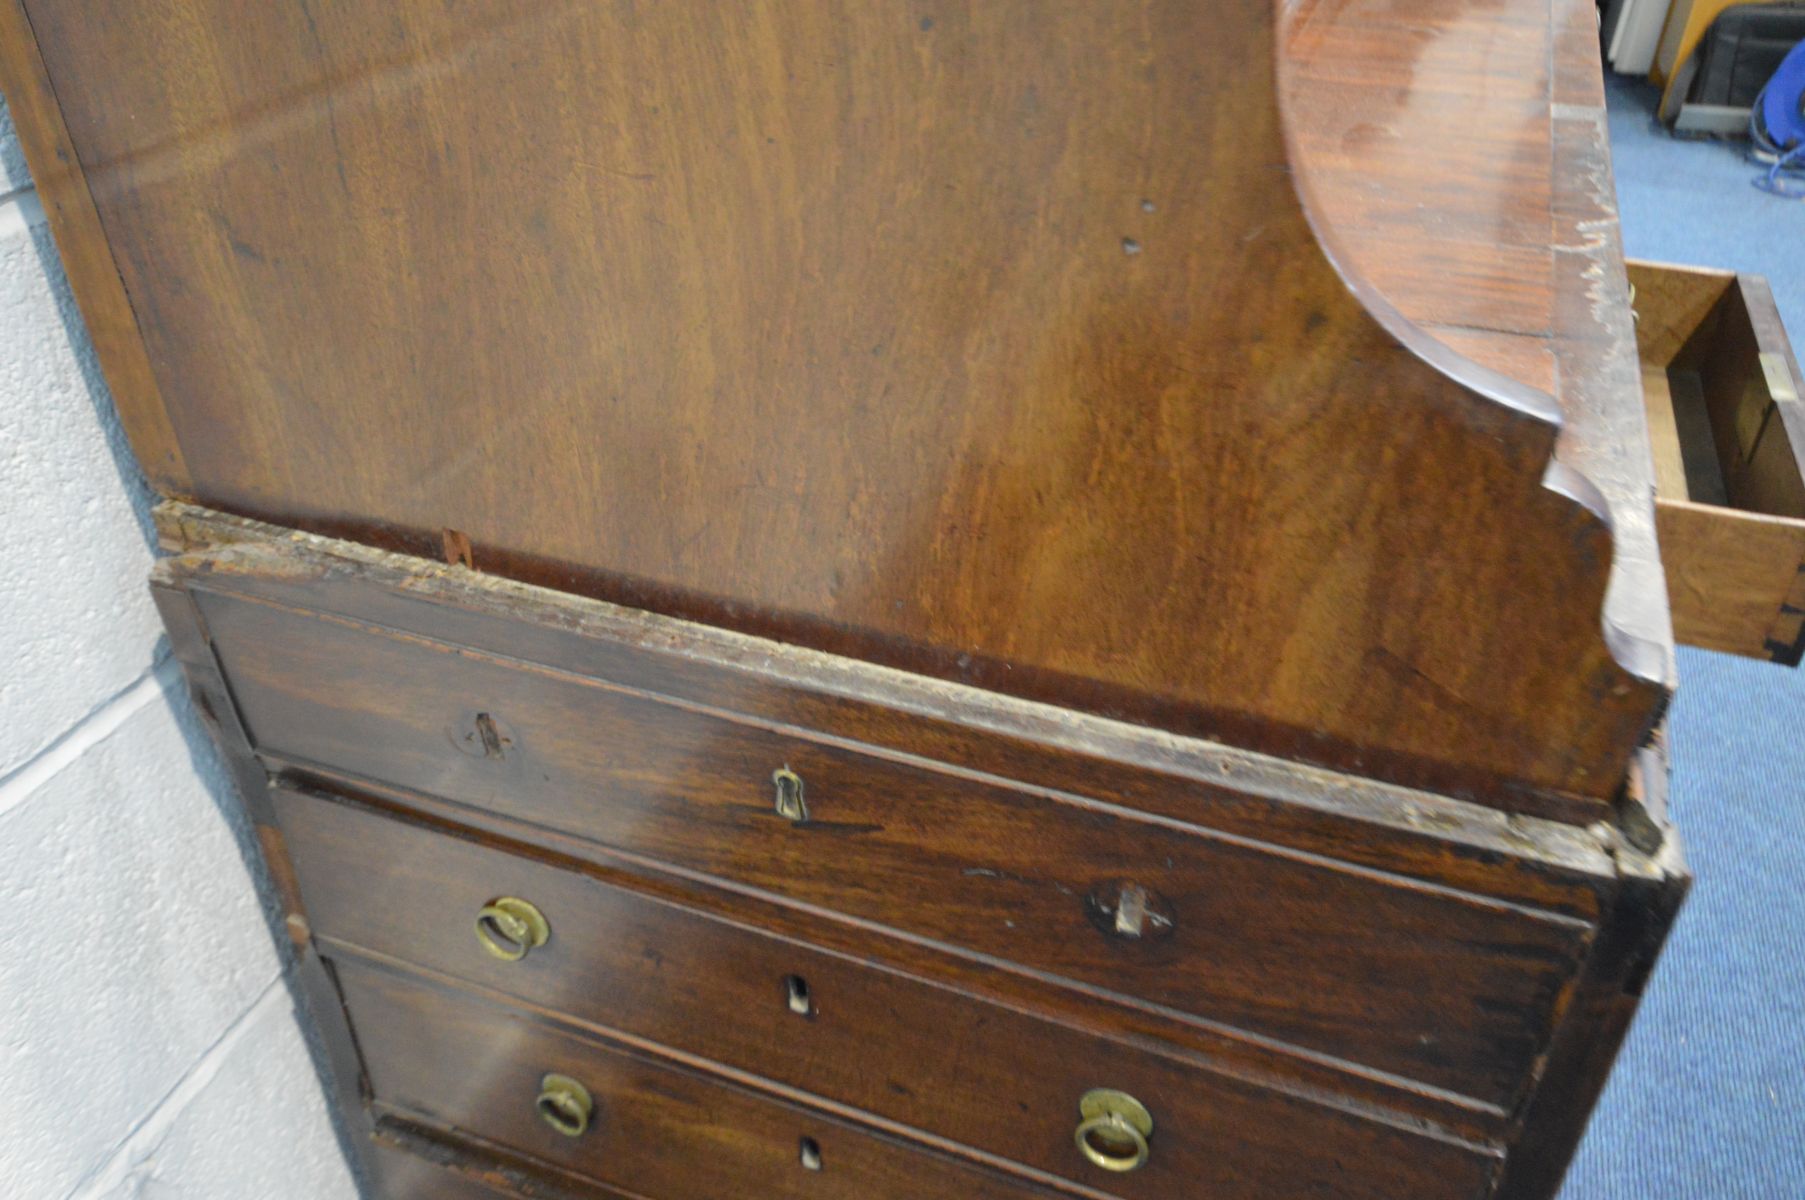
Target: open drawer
{"x":1722,"y":389}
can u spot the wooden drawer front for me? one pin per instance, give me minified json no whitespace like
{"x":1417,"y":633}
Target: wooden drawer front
{"x":1422,"y":982}
{"x":920,"y":1055}
{"x":658,"y":1131}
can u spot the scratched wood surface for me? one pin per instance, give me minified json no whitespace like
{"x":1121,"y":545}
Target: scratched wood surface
{"x":917,"y":820}
{"x":1450,"y":989}
{"x":988,"y":341}
{"x":474,"y":1066}
{"x":896,"y":1047}
{"x":660,"y":933}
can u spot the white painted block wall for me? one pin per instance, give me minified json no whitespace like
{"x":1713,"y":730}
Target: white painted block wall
{"x":148,"y":1038}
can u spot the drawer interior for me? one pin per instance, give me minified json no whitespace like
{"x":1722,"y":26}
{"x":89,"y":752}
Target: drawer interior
{"x":1728,"y":431}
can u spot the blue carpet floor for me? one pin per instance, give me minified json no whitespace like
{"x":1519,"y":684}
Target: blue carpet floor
{"x":1708,"y":1101}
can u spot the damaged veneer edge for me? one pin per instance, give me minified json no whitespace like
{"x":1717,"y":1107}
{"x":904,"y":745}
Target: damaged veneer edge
{"x":227,"y":547}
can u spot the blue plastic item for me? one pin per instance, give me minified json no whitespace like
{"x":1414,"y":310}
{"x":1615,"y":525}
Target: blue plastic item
{"x":1777,"y":124}
{"x":1783,"y":101}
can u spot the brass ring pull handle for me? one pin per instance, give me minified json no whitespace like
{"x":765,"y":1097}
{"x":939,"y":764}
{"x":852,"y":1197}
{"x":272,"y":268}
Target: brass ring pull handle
{"x":510,"y":929}
{"x":565,"y":1105}
{"x":1114,"y":1130}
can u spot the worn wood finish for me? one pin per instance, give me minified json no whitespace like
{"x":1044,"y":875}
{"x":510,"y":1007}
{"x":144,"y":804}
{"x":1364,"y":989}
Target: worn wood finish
{"x":1449,"y":989}
{"x":413,"y":1161}
{"x":399,"y":1175}
{"x":1674,"y":304}
{"x":332,"y":1046}
{"x":1593,"y":339}
{"x":914,"y":1053}
{"x":1543,"y":864}
{"x":1580,"y":1062}
{"x":1733,"y":526}
{"x":88,"y":257}
{"x":1434,"y":841}
{"x":1113,"y":431}
{"x":1055,"y":365}
{"x":658,"y":1130}
{"x":1737,"y":580}
{"x":1664,"y":431}
{"x":1522,"y":861}
{"x":1264,"y":1064}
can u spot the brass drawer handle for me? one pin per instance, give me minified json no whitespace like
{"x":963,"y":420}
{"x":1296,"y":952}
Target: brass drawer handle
{"x":1114,"y":1130}
{"x":510,"y":928}
{"x":565,"y":1105}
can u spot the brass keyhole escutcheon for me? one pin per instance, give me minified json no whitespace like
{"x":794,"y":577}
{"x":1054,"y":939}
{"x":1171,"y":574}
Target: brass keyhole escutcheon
{"x":565,"y":1105}
{"x":511,"y":928}
{"x":1113,"y":1130}
{"x":790,"y":804}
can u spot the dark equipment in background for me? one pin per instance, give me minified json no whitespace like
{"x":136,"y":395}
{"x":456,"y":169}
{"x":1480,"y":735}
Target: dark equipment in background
{"x":1742,"y":50}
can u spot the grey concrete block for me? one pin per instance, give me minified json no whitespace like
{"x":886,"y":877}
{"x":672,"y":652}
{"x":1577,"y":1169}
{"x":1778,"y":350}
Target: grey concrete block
{"x":13,"y":175}
{"x":254,"y":1127}
{"x":134,"y":939}
{"x":73,"y":532}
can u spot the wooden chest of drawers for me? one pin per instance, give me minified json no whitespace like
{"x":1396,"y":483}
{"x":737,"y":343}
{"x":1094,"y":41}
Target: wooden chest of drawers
{"x":804,"y":926}
{"x":978,"y":600}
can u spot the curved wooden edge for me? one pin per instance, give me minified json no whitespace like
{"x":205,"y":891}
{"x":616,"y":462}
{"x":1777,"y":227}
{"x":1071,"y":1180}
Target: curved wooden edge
{"x":1532,"y":701}
{"x":87,"y":255}
{"x":1646,"y":659}
{"x":1641,"y":647}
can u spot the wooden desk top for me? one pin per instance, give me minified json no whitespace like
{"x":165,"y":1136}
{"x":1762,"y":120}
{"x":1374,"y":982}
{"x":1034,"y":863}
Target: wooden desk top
{"x":989,"y":341}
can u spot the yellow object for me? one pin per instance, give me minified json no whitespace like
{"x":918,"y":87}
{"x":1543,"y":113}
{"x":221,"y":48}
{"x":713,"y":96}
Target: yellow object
{"x":510,"y":928}
{"x":1114,"y":1129}
{"x":565,"y":1105}
{"x":1687,"y":21}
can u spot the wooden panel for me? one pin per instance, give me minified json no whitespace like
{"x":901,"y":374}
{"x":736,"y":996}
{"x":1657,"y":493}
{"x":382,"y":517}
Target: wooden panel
{"x":398,"y":1175}
{"x":1733,"y":533}
{"x":1111,"y":430}
{"x":87,"y":256}
{"x":1737,"y":580}
{"x":1774,"y":481}
{"x":658,"y":1130}
{"x":1630,"y":893}
{"x":1433,"y":985}
{"x":926,"y":1056}
{"x":1524,"y":860}
{"x":1673,"y":304}
{"x":1664,"y":432}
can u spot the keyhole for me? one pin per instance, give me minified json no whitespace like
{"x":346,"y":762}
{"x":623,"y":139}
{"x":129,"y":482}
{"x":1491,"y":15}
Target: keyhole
{"x":494,"y":745}
{"x":790,"y":803}
{"x":796,"y":992}
{"x":1129,"y":911}
{"x":811,"y":1154}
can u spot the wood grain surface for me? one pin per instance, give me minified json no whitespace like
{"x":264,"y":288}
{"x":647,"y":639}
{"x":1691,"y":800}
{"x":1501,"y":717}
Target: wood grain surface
{"x":88,"y":257}
{"x":403,"y":1176}
{"x":1537,"y":862}
{"x":1738,"y":580}
{"x":992,"y":342}
{"x":931,"y":1057}
{"x":420,"y":852}
{"x":1723,"y":396}
{"x":658,"y":1130}
{"x":1452,"y":990}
